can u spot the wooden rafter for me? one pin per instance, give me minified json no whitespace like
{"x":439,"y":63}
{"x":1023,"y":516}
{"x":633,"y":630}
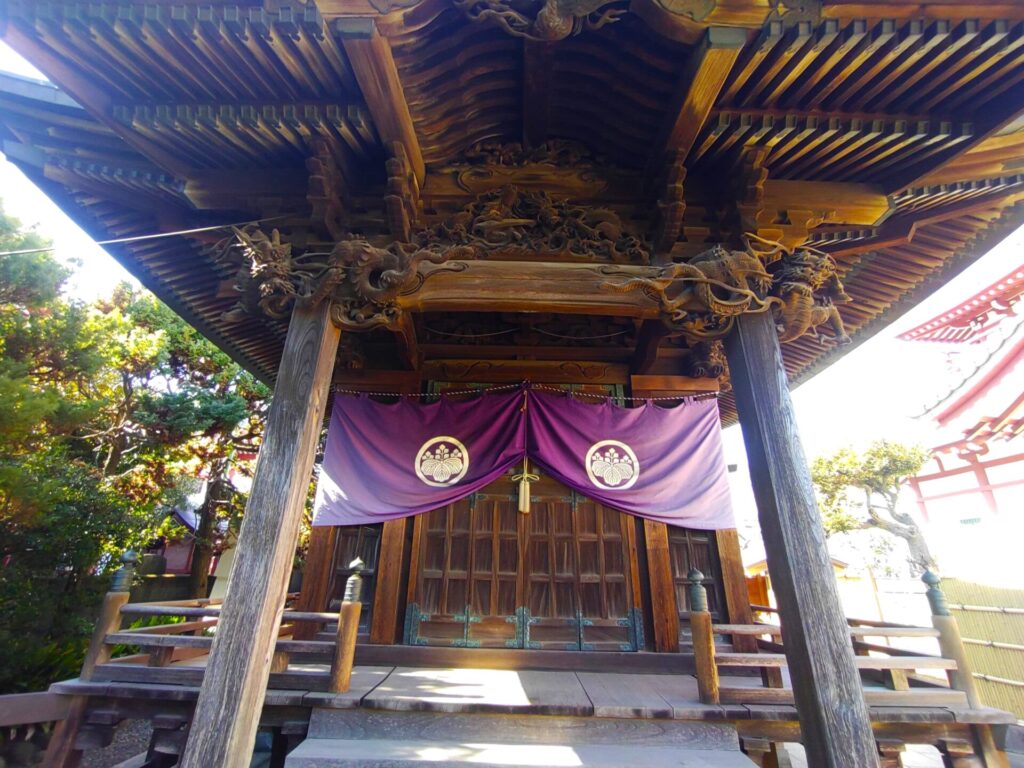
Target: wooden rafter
{"x":370,"y":57}
{"x":696,"y":92}
{"x":95,"y":101}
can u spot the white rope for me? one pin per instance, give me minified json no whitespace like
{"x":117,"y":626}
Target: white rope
{"x":137,"y":238}
{"x":521,"y":385}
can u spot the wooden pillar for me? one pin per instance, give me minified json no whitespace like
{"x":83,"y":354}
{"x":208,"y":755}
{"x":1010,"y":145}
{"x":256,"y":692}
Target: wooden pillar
{"x":316,"y":579}
{"x":829,"y":698}
{"x":231,"y":699}
{"x":387,"y":594}
{"x":664,"y":609}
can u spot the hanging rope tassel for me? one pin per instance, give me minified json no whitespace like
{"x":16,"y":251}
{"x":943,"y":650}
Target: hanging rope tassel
{"x":524,"y":479}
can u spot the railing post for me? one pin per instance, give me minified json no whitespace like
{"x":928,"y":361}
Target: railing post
{"x":703,"y":639}
{"x":110,"y":615}
{"x":61,"y":751}
{"x":951,"y":646}
{"x":348,"y":628}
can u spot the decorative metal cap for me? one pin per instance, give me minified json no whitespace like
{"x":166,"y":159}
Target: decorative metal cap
{"x":698,"y":594}
{"x":354,"y":584}
{"x":936,"y":597}
{"x":122,"y":581}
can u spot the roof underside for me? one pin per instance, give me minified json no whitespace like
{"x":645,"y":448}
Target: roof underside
{"x":175,"y":116}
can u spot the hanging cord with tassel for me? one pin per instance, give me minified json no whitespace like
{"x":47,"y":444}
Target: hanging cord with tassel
{"x":525,"y":478}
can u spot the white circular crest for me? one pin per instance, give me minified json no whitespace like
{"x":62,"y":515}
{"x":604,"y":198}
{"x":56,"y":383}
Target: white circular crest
{"x":442,"y":461}
{"x":612,"y":465}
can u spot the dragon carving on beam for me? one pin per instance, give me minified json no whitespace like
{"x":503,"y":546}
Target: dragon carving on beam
{"x":699,"y":298}
{"x":555,"y":20}
{"x":702,"y":296}
{"x":806,"y":289}
{"x":361,"y":281}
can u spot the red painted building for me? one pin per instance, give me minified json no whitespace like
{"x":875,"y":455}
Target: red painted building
{"x":977,"y":467}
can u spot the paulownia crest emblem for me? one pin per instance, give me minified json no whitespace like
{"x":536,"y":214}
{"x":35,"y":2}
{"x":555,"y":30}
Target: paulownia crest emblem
{"x":612,"y":465}
{"x":442,"y":461}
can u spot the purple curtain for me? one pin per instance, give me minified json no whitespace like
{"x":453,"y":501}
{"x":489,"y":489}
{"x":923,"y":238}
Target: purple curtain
{"x":660,"y":463}
{"x":390,"y":460}
{"x":385,"y":461}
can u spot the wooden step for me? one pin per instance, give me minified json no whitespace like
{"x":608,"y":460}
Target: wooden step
{"x":347,"y":724}
{"x":361,"y":737}
{"x":384,"y":753}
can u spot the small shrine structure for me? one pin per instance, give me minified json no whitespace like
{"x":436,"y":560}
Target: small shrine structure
{"x":632,"y":199}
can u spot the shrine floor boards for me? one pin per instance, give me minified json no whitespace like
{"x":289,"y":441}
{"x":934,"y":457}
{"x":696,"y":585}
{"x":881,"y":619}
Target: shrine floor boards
{"x":405,"y":716}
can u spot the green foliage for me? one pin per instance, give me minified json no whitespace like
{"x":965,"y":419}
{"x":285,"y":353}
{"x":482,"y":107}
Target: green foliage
{"x":862,"y":490}
{"x":109,"y":414}
{"x":843,"y":479}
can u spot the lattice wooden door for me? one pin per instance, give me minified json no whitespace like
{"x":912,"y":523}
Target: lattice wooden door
{"x":561,"y":577}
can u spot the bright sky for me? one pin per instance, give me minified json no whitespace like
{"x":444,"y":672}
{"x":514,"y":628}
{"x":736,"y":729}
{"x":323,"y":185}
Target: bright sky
{"x":871,"y":393}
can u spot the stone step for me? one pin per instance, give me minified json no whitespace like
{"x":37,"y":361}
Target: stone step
{"x":368,"y":724}
{"x":386,"y":753}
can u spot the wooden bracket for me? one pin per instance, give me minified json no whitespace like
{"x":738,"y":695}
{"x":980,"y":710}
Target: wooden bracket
{"x":671,"y":206}
{"x":403,"y":193}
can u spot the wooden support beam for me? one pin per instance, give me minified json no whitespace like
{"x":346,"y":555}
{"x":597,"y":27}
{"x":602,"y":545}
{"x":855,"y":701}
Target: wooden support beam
{"x":901,"y":230}
{"x":829,"y":699}
{"x":652,"y":333}
{"x":370,"y":56}
{"x":234,"y":685}
{"x":575,"y":288}
{"x":734,"y":579}
{"x":539,"y":371}
{"x":696,"y":92}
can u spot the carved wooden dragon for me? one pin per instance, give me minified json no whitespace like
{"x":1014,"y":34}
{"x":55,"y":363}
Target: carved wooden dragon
{"x":556,"y":19}
{"x":721,"y":283}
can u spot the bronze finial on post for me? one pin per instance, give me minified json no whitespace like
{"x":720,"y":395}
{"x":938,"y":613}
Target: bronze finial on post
{"x":348,"y":629}
{"x":703,"y":639}
{"x":936,"y":597}
{"x":122,"y":580}
{"x":698,"y":593}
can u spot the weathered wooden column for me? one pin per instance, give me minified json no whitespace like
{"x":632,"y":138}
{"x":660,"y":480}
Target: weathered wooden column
{"x":829,"y":699}
{"x":231,"y":699}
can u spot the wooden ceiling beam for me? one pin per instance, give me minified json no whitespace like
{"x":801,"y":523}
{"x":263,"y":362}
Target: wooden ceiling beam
{"x":370,"y":56}
{"x":537,"y":371}
{"x":537,"y":62}
{"x":697,"y":90}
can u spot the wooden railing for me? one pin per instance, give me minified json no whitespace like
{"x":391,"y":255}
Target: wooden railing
{"x":162,"y":645}
{"x":896,"y":668}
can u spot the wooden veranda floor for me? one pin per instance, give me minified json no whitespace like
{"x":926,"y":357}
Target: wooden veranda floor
{"x":566,"y":699}
{"x":537,"y":692}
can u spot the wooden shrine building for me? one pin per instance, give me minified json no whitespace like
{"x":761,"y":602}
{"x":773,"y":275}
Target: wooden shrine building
{"x":626,"y":198}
